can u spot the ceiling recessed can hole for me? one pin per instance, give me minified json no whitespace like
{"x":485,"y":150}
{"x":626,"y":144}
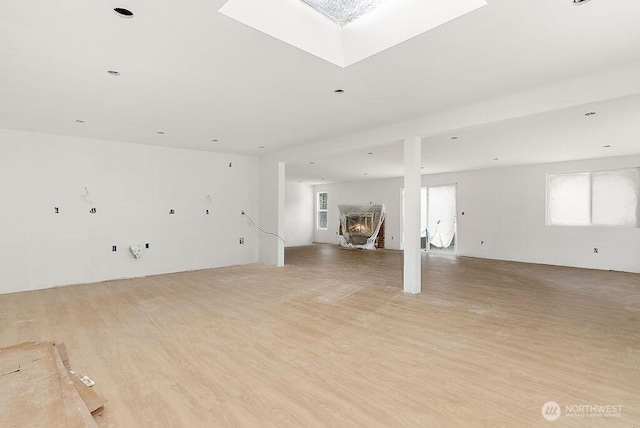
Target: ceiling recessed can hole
{"x":214,"y":140}
{"x":607,"y":146}
{"x":161,"y":132}
{"x":579,"y":2}
{"x":261,"y":147}
{"x":311,"y":163}
{"x":495,"y":159}
{"x":339,"y":91}
{"x":370,"y":153}
{"x":454,"y":138}
{"x":113,"y":72}
{"x":590,"y":113}
{"x":123,"y":13}
{"x":79,"y":121}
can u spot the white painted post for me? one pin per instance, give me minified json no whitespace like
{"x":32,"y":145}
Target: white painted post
{"x":281,"y":196}
{"x":412,"y":184}
{"x":272,"y":187}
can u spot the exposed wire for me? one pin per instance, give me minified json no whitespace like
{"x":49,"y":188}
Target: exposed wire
{"x":86,"y":196}
{"x":262,"y":230}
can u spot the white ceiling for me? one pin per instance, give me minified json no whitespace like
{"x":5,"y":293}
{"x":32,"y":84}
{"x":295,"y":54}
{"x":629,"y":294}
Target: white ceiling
{"x":553,"y":136}
{"x":198,"y":75}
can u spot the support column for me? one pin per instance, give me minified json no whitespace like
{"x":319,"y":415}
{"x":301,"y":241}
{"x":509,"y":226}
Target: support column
{"x":272,"y":184}
{"x":412,"y":184}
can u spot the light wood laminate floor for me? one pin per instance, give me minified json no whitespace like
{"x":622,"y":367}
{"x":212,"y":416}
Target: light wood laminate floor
{"x":331,"y":340}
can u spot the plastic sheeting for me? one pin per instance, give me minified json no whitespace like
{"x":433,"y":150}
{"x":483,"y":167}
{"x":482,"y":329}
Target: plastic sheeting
{"x":441,"y":218}
{"x":360,"y":225}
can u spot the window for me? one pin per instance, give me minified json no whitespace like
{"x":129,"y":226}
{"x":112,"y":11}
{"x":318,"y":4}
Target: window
{"x":596,"y":198}
{"x":323,"y":220}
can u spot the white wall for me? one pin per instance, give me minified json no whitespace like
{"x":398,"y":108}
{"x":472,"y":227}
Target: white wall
{"x":299,"y":214}
{"x":505,"y":208}
{"x":132,"y":187}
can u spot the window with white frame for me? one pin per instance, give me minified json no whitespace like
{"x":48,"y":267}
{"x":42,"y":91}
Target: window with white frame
{"x":322,"y":220}
{"x":594,"y":198}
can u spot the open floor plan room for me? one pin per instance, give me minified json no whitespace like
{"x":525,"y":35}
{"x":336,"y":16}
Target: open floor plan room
{"x":331,"y":340}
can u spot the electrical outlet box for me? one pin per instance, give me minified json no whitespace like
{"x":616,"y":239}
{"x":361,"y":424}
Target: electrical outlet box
{"x":242,"y":240}
{"x":114,"y":248}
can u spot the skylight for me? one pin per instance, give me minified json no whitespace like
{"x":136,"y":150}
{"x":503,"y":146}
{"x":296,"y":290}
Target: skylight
{"x":333,"y":31}
{"x":344,"y":11}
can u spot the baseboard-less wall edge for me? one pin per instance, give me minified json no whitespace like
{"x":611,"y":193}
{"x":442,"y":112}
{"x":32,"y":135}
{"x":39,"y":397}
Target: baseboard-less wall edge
{"x":529,"y":262}
{"x":123,"y":278}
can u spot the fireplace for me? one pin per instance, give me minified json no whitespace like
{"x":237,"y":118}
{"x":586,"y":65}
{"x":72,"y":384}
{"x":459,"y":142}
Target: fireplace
{"x":360,"y":225}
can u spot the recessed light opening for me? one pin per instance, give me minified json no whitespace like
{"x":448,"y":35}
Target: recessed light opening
{"x":161,"y":132}
{"x":214,"y":140}
{"x":339,"y":91}
{"x":590,"y":113}
{"x":123,"y":13}
{"x":261,"y":147}
{"x":370,"y":153}
{"x":579,"y":2}
{"x":495,"y":159}
{"x":454,"y":138}
{"x":607,"y":146}
{"x":113,"y":72}
{"x":79,"y":121}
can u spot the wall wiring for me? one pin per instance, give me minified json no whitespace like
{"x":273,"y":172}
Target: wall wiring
{"x":262,"y":230}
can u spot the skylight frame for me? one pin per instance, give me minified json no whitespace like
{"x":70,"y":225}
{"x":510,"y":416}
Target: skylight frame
{"x":298,"y":24}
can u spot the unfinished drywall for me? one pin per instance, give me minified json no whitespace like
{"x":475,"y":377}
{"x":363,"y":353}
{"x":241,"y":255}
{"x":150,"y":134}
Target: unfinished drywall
{"x":133,"y":189}
{"x":504,"y":216}
{"x":299,"y":214}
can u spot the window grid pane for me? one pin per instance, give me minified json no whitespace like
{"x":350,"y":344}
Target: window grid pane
{"x":597,"y":198}
{"x":615,"y":198}
{"x":322,"y":222}
{"x":322,"y":200}
{"x":569,"y":199}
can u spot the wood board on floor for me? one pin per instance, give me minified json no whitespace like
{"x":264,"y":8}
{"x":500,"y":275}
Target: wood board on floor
{"x":36,"y":389}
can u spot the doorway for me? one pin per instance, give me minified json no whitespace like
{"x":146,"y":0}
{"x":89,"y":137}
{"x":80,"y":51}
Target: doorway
{"x":438,"y":218}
